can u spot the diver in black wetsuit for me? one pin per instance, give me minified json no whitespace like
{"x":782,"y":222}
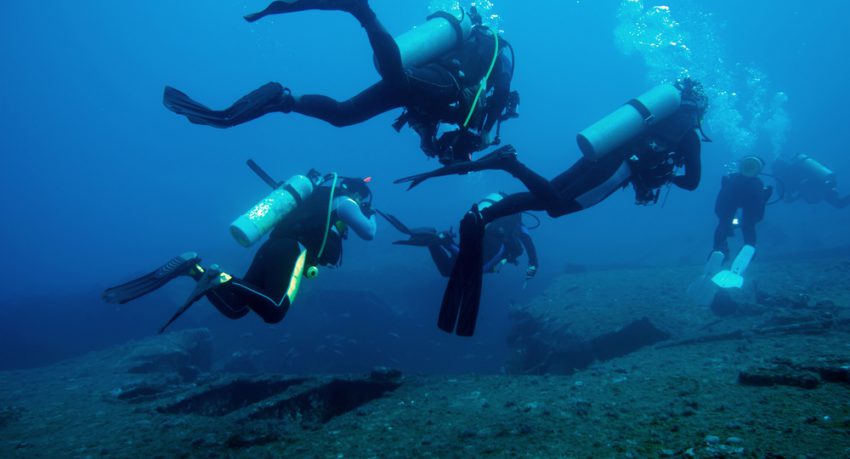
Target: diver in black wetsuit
{"x":805,"y":178}
{"x":442,"y":91}
{"x":740,"y":190}
{"x":505,"y":240}
{"x":309,"y":236}
{"x":647,"y":162}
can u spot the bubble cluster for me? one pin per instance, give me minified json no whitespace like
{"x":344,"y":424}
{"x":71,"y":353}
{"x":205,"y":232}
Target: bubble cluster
{"x":674,"y":43}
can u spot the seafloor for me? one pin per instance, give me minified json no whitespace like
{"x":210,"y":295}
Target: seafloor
{"x":766,"y":375}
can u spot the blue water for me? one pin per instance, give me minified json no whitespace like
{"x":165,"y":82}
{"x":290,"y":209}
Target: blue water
{"x":101,"y":183}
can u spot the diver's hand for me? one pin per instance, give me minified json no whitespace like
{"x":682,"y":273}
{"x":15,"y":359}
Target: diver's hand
{"x":530,"y":272}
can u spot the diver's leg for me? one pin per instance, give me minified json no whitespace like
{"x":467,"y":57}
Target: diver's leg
{"x":383,"y":44}
{"x":228,"y":302}
{"x":269,"y":98}
{"x":832,"y":198}
{"x":512,"y":204}
{"x":271,"y":283}
{"x":587,"y":183}
{"x":377,"y":99}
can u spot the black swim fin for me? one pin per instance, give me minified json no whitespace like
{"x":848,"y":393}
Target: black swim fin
{"x":176,"y":267}
{"x":419,"y":237}
{"x":268,"y":98}
{"x":498,"y":159}
{"x":462,"y":297}
{"x":211,"y":279}
{"x":292,"y":6}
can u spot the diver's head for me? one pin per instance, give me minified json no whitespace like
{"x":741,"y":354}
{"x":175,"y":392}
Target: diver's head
{"x":356,"y":189}
{"x":694,"y":100}
{"x":750,"y":165}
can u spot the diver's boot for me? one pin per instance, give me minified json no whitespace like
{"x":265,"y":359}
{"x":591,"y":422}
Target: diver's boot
{"x":355,"y":7}
{"x":185,"y":264}
{"x":271,"y":97}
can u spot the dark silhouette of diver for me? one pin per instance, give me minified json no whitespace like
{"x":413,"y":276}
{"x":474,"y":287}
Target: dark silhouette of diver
{"x":805,"y":178}
{"x":306,"y":238}
{"x":445,"y":90}
{"x":647,"y":162}
{"x":742,"y":190}
{"x":505,"y":240}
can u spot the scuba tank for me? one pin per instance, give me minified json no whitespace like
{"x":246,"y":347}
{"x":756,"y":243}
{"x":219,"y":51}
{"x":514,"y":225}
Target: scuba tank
{"x":489,"y":200}
{"x":813,"y":170}
{"x":629,"y":121}
{"x":260,"y":219}
{"x":441,"y":33}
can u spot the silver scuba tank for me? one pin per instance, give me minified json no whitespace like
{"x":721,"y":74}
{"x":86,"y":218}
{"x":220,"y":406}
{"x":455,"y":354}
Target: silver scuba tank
{"x":441,"y":33}
{"x":263,"y":216}
{"x":629,"y":121}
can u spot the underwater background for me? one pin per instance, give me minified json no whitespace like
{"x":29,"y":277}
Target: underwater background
{"x":100,"y":183}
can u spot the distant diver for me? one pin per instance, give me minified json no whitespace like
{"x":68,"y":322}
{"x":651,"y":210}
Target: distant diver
{"x":308,"y":217}
{"x":742,"y":190}
{"x":505,"y":240}
{"x":643,"y":143}
{"x":805,"y":178}
{"x":449,"y":70}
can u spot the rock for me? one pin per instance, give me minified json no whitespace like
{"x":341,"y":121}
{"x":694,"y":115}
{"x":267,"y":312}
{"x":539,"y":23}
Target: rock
{"x":385,"y":375}
{"x":778,"y":376}
{"x":10,"y":414}
{"x":186,"y":353}
{"x":554,"y":352}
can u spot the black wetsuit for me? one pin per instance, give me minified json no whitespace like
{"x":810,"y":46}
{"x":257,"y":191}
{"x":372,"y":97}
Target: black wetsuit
{"x":738,"y":191}
{"x":437,"y":92}
{"x":505,"y":239}
{"x":264,"y":287}
{"x":647,"y":163}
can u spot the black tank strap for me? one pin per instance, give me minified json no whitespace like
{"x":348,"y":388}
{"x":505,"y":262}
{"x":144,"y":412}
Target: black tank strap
{"x":295,"y":195}
{"x":455,"y":22}
{"x":648,"y":117}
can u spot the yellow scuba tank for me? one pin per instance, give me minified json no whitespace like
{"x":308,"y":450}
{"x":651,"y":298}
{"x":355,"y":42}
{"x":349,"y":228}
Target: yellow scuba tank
{"x":629,"y":121}
{"x":441,"y":33}
{"x":260,"y":219}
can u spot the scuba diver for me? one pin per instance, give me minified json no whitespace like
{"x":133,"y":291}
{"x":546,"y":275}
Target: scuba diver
{"x":505,"y":240}
{"x":741,"y":190}
{"x":308,"y":217}
{"x":804,"y":177}
{"x":449,"y":70}
{"x":643,"y":143}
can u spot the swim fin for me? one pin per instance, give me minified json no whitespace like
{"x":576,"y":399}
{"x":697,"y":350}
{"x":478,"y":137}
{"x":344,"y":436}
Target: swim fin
{"x":702,"y":290}
{"x":268,"y":98}
{"x":462,"y":297}
{"x":734,"y":276}
{"x":419,"y":237}
{"x":211,"y":279}
{"x":498,"y":159}
{"x":178,"y":266}
{"x":292,"y":6}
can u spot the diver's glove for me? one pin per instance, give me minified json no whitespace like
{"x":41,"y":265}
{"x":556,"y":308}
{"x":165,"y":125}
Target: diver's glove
{"x":530,"y":272}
